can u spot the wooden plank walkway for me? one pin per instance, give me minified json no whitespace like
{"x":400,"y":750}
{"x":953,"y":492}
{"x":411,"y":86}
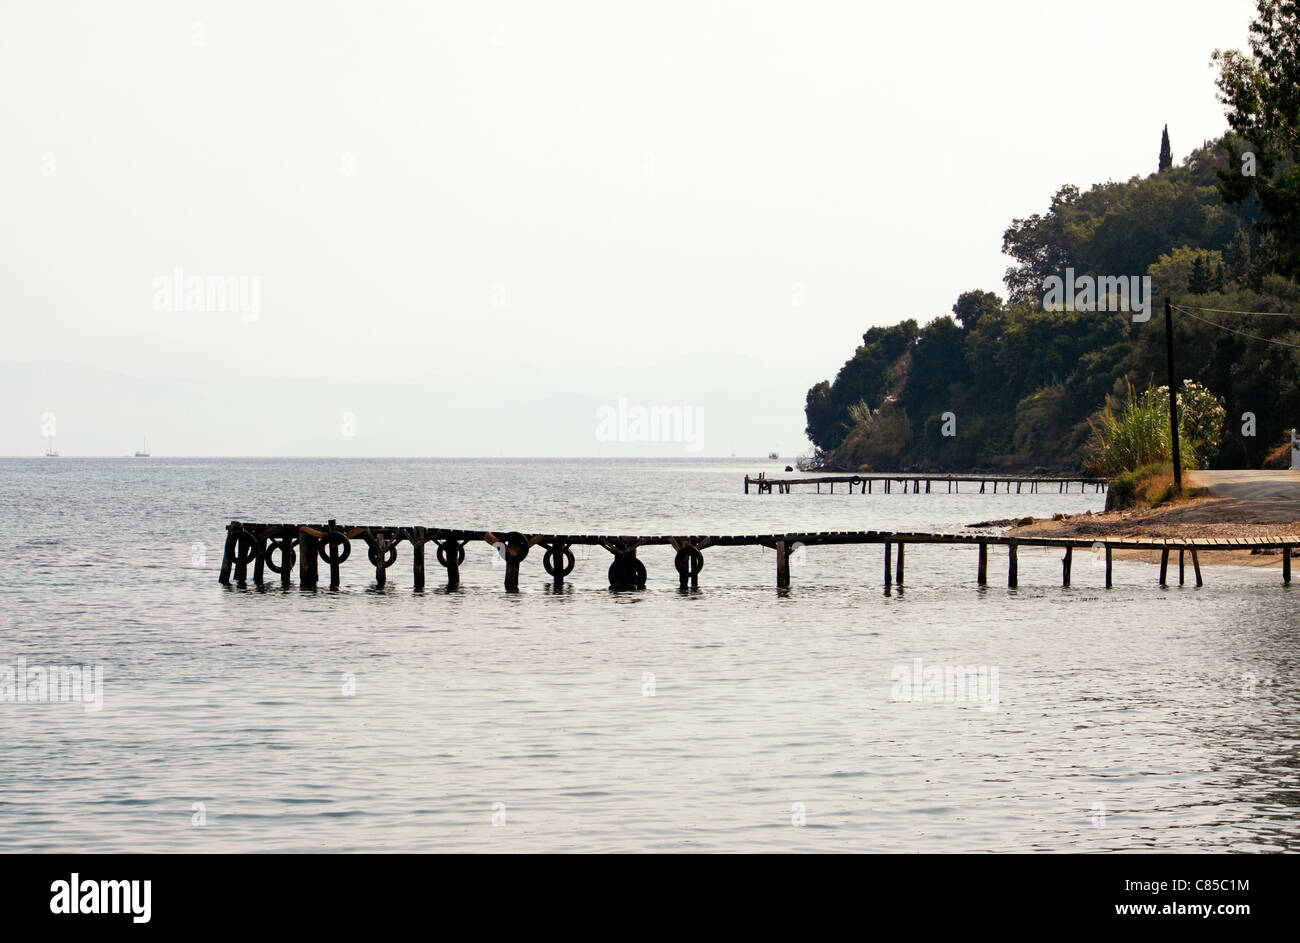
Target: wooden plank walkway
{"x":310,"y":544}
{"x":866,"y":483}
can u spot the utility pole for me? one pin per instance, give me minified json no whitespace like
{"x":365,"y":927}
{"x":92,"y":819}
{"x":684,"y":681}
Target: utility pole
{"x":1173,"y":394}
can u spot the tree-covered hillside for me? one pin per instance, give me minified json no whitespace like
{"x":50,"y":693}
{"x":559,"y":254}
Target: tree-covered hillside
{"x":1010,"y":385}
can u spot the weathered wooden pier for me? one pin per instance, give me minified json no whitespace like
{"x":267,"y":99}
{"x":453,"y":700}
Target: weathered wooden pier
{"x":865,"y":483}
{"x":277,"y":547}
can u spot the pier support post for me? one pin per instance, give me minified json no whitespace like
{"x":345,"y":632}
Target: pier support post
{"x":1108,"y":583}
{"x":898,"y":575}
{"x":308,"y":548}
{"x":889,"y":575}
{"x":379,"y":552}
{"x":1196,"y":567}
{"x":1164,"y":566}
{"x":259,"y":561}
{"x":626,"y":571}
{"x":516,"y":549}
{"x":451,"y":554}
{"x":1013,"y":574}
{"x":1182,"y":578}
{"x":340,"y":547}
{"x":287,"y":534}
{"x":983,"y":575}
{"x":782,"y":566}
{"x":688,"y":563}
{"x":558,"y":561}
{"x":1065,"y":566}
{"x":243,"y":553}
{"x":1286,"y":564}
{"x":227,"y":556}
{"x":418,"y":540}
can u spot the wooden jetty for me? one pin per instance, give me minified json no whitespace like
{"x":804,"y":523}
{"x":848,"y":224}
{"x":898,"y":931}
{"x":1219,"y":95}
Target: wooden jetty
{"x":310,"y":544}
{"x":1032,"y":484}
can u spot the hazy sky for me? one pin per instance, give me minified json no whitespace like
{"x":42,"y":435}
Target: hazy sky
{"x":531,"y":210}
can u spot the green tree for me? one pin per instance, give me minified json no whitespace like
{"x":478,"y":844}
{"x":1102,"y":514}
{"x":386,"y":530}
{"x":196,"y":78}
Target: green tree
{"x":1166,"y":152}
{"x":1236,"y":256}
{"x":1198,"y":283}
{"x":1121,"y":228}
{"x":973,"y":305}
{"x":1261,"y":91}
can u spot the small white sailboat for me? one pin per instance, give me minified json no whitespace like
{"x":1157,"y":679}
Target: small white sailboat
{"x":144,"y":448}
{"x":50,"y":451}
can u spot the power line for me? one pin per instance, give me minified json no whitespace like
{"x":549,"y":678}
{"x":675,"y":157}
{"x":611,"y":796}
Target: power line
{"x":1264,"y":314}
{"x":1233,"y":330}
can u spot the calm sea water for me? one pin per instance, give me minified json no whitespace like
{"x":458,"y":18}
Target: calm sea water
{"x":735,"y":718}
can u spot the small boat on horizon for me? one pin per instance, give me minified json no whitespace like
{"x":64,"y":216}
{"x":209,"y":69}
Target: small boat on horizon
{"x":50,"y":451}
{"x":144,"y":448}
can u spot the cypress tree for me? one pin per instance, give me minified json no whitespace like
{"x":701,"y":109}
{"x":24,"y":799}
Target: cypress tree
{"x":1199,"y":282}
{"x":1166,"y":152}
{"x":1237,"y":256}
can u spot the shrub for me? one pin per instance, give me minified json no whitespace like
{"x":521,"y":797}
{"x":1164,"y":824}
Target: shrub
{"x":1138,"y":435}
{"x":1149,"y":485}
